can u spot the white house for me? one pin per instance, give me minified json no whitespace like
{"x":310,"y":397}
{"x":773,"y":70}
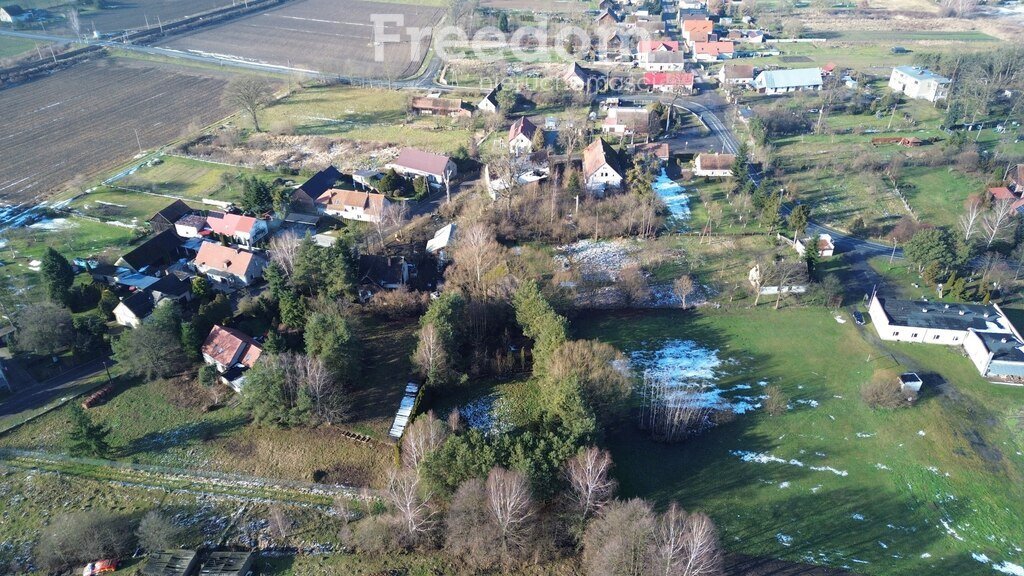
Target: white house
{"x":996,"y":355}
{"x":919,"y":83}
{"x":520,"y":136}
{"x":601,"y":168}
{"x":134,"y":309}
{"x":664,"y":62}
{"x":434,"y":167}
{"x":228,"y":266}
{"x":646,"y":48}
{"x":489,"y":103}
{"x":13,"y":13}
{"x":627,"y":121}
{"x":353,"y":205}
{"x":190,"y":226}
{"x":713,"y":165}
{"x":826,"y":247}
{"x":790,"y":80}
{"x":244,"y":230}
{"x":736,"y":75}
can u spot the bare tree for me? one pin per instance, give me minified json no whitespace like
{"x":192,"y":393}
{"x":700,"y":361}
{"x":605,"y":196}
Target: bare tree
{"x":477,"y":252}
{"x":702,"y":552}
{"x":786,"y":273}
{"x":672,"y":413}
{"x":430,"y":356}
{"x":73,"y":21}
{"x":415,"y":514}
{"x":512,"y":509}
{"x":588,"y":474}
{"x":997,"y":220}
{"x":392,"y":214}
{"x":470,"y":532}
{"x":311,"y":374}
{"x":618,"y":542}
{"x":280,"y":523}
{"x":670,"y":542}
{"x":251,"y":94}
{"x":959,"y":8}
{"x":972,"y":214}
{"x":683,"y":287}
{"x":283,"y":249}
{"x":422,"y":437}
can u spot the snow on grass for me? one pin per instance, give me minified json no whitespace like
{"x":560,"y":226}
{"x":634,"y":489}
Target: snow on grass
{"x":950,"y":530}
{"x":926,"y":555}
{"x":764,"y":458}
{"x":858,"y":517}
{"x":980,"y":557}
{"x":487,"y":414}
{"x":920,"y":433}
{"x":864,"y":435}
{"x":1009,"y":568}
{"x":53,"y":224}
{"x":881,"y":466}
{"x":675,"y":198}
{"x":784,"y":485}
{"x":807,"y":402}
{"x":784,"y":539}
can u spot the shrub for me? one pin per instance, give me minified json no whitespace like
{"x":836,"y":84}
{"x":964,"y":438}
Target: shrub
{"x":74,"y":539}
{"x":776,"y":402}
{"x":884,"y":392}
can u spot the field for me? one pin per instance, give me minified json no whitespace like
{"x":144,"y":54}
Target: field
{"x":84,"y":120}
{"x":10,"y":47}
{"x":323,"y":36}
{"x":545,"y":6}
{"x":143,"y":13}
{"x":830,"y":481}
{"x":189,"y":179}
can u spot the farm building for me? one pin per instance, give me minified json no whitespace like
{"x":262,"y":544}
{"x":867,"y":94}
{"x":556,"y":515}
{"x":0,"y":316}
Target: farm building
{"x":736,"y":75}
{"x":626,"y":121}
{"x":713,"y":165}
{"x":679,"y":82}
{"x":305,"y":195}
{"x":988,"y":337}
{"x":353,"y":205}
{"x":431,"y":106}
{"x":659,"y":150}
{"x":231,"y":352}
{"x":602,"y":169}
{"x":228,"y":266}
{"x":919,"y":83}
{"x":790,"y":80}
{"x":434,"y":167}
{"x":170,"y":563}
{"x":489,"y":103}
{"x":244,"y":230}
{"x":160,"y":250}
{"x":227,"y":564}
{"x":520,"y":136}
{"x":165,"y":219}
{"x":190,"y":226}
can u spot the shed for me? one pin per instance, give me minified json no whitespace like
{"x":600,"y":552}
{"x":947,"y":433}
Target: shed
{"x":170,"y":563}
{"x":227,"y":564}
{"x":910,"y":382}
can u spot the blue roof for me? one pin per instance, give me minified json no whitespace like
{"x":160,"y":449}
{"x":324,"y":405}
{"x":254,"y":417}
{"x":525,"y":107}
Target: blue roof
{"x":922,"y":74}
{"x":791,"y":78}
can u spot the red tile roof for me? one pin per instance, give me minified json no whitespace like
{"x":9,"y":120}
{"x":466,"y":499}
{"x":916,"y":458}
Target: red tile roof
{"x":230,"y":224}
{"x":224,"y":343}
{"x":224,"y":258}
{"x":370,"y":202}
{"x":596,"y":155}
{"x":668,"y":79}
{"x":1001,"y":193}
{"x":522,"y":126}
{"x":705,"y":26}
{"x":652,"y":45}
{"x":713,"y":48}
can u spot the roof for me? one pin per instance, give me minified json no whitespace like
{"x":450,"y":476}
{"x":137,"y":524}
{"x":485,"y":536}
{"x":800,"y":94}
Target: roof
{"x":636,"y":119}
{"x":169,"y":563}
{"x":171,"y":285}
{"x":789,"y":78}
{"x":522,"y":126}
{"x":1001,"y":193}
{"x":437,"y":104}
{"x":713,"y":48}
{"x":227,"y":564}
{"x":596,"y":155}
{"x":192,"y":220}
{"x":945,"y":316}
{"x":1017,"y":175}
{"x":668,"y":78}
{"x":492,"y":96}
{"x":577,"y":71}
{"x":320,"y":182}
{"x":1004,"y":347}
{"x":222,"y":344}
{"x":172,"y":212}
{"x":230,"y":224}
{"x":157,"y":249}
{"x":381,"y":270}
{"x":653,"y":45}
{"x":140,"y":303}
{"x":370,"y":202}
{"x":922,"y":74}
{"x":734,"y":71}
{"x":14,"y":10}
{"x":666,"y":58}
{"x":441,"y":238}
{"x":658,"y":149}
{"x":698,"y":25}
{"x":716,"y":161}
{"x":909,"y":378}
{"x":605,"y":14}
{"x":224,"y":258}
{"x":421,"y":161}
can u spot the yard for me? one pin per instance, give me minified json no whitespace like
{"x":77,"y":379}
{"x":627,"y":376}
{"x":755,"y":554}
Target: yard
{"x":178,"y":177}
{"x":830,"y":481}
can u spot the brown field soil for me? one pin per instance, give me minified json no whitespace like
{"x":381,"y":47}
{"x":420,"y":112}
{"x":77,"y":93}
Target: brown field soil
{"x":82,"y":121}
{"x":321,"y":35}
{"x":134,"y":15}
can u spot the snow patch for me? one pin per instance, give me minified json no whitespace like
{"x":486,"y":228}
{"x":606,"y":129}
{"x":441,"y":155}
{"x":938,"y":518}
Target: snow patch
{"x":858,"y":517}
{"x":920,"y":433}
{"x":865,"y":435}
{"x":764,"y":458}
{"x":784,"y":485}
{"x":675,"y":198}
{"x":783,"y":539}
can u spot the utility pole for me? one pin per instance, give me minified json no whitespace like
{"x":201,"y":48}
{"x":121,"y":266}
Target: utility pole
{"x":138,"y":140}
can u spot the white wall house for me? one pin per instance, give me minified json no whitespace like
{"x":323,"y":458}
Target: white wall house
{"x":919,"y":83}
{"x":601,"y":170}
{"x":792,"y":80}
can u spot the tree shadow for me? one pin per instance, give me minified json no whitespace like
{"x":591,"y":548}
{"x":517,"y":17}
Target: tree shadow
{"x":191,"y":434}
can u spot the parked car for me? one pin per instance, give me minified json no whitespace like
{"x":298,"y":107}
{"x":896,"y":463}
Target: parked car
{"x":99,"y":567}
{"x":858,"y":317}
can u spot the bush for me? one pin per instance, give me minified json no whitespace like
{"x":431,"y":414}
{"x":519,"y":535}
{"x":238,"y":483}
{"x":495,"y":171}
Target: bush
{"x":156,"y":532}
{"x":883,"y":392}
{"x":776,"y":403}
{"x":74,"y":539}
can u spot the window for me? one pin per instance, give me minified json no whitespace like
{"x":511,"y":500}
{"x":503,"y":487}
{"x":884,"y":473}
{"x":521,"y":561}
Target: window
{"x":936,"y":337}
{"x":914,"y":335}
{"x":895,"y":334}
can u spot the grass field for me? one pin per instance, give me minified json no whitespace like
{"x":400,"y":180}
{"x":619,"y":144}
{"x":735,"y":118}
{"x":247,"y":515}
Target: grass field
{"x":115,"y":205}
{"x":10,"y":46}
{"x":908,"y":492}
{"x":179,"y":177}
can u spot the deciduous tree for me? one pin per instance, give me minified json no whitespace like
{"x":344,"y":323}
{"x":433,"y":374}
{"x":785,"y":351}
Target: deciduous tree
{"x":251,"y":94}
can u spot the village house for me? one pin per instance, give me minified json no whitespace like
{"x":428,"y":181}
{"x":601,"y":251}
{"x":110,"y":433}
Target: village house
{"x":520,"y":136}
{"x":433,"y":106}
{"x":353,"y":205}
{"x":13,"y":13}
{"x":645,"y":48}
{"x":438,"y":245}
{"x":1016,"y":179}
{"x":788,"y":80}
{"x":676,"y":82}
{"x":627,"y":121}
{"x":713,"y":165}
{"x":919,"y":83}
{"x":747,"y":36}
{"x":697,"y":28}
{"x":489,"y":103}
{"x":383,"y":272}
{"x":1006,"y":195}
{"x":606,"y":18}
{"x":826,"y":247}
{"x":231,"y":352}
{"x":166,"y":218}
{"x":988,"y":337}
{"x":657,"y":150}
{"x":736,"y":75}
{"x":244,"y":230}
{"x":190,"y":226}
{"x":581,"y":79}
{"x":712,"y":51}
{"x":527,"y":169}
{"x":158,"y":251}
{"x":665,"y":62}
{"x":437,"y":169}
{"x":305,"y":195}
{"x":134,"y":309}
{"x":602,"y":169}
{"x":228,"y":266}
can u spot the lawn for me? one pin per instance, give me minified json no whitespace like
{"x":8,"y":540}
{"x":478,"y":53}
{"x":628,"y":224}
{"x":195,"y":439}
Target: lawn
{"x":119,"y":206}
{"x":10,"y":46}
{"x":937,"y":195}
{"x":908,"y":492}
{"x":189,"y":179}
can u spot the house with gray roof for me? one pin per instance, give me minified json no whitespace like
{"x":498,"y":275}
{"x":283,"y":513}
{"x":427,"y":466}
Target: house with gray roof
{"x":789,"y":80}
{"x":919,"y":83}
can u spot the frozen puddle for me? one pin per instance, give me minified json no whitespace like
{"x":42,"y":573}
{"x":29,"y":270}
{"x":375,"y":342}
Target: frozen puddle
{"x":674,"y":196}
{"x":690,"y":370}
